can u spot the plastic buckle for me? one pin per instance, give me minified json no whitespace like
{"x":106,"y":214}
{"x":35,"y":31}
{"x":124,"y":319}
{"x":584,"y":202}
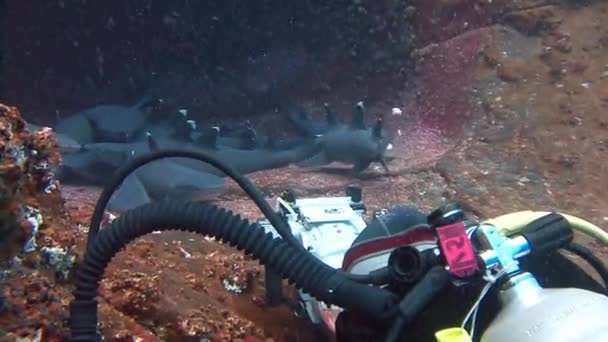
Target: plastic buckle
{"x":453,"y":335}
{"x":457,"y":250}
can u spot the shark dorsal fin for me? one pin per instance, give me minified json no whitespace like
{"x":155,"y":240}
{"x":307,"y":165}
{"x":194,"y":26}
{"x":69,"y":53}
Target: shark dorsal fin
{"x":184,"y":129}
{"x":152,"y":143}
{"x":209,"y":138}
{"x":223,"y":130}
{"x":358,"y":120}
{"x":377,"y":130}
{"x":249,"y":139}
{"x":330,"y":116}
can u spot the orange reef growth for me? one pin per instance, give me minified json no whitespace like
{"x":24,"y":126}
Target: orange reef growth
{"x":36,"y":252}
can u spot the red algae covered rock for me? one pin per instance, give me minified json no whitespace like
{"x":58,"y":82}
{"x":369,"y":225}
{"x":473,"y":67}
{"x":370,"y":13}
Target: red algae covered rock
{"x":37,"y":250}
{"x":26,"y":173}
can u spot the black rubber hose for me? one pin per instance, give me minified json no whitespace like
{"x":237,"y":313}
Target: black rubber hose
{"x":307,"y":272}
{"x":123,"y":172}
{"x":250,"y":189}
{"x":417,"y":299}
{"x":380,"y":276}
{"x":595,"y":262}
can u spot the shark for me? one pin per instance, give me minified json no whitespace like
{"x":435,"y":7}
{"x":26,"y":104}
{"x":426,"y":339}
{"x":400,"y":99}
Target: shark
{"x":159,"y":179}
{"x":111,"y":122}
{"x":243,"y":161}
{"x":183,"y":177}
{"x":353,"y":143}
{"x":90,"y":166}
{"x":165,"y":179}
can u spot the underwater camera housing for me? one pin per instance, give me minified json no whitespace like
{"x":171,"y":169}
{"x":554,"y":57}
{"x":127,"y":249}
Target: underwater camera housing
{"x":333,"y":230}
{"x":326,"y":227}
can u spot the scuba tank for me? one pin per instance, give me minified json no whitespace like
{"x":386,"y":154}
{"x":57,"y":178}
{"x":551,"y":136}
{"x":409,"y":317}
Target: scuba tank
{"x":531,"y":313}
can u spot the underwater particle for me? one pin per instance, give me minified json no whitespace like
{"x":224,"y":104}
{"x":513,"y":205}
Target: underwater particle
{"x":396,"y":111}
{"x":33,"y":216}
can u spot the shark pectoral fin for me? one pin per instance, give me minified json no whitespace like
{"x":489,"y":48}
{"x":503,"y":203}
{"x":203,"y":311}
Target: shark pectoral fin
{"x":130,"y":194}
{"x":317,"y":160}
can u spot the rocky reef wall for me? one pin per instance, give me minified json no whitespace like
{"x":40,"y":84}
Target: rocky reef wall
{"x":37,"y":244}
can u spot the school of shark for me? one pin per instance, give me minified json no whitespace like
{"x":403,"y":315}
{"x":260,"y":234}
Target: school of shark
{"x":95,"y":142}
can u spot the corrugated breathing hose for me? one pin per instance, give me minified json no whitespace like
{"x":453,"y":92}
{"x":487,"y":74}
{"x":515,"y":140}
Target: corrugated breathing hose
{"x":249,"y":188}
{"x":298,"y":266}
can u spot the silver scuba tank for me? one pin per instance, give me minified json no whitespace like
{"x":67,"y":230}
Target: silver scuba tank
{"x":531,"y":313}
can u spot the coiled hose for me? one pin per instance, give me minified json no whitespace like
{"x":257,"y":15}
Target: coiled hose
{"x":299,"y":267}
{"x":249,"y":188}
